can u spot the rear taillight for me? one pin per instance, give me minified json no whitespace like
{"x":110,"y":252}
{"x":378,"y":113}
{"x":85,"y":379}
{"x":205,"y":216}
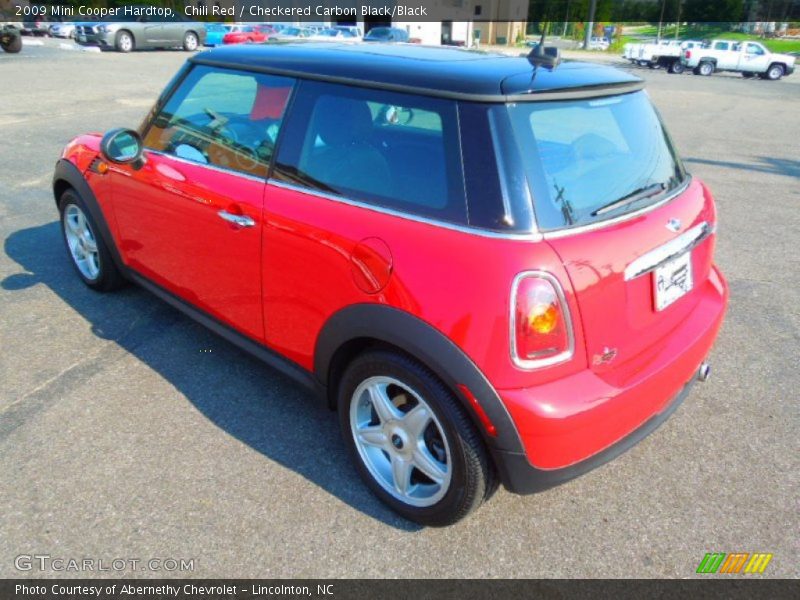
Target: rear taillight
{"x":688,"y":54}
{"x":541,"y":330}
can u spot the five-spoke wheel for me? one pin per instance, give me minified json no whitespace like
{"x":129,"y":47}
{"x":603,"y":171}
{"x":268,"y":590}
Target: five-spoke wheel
{"x":86,"y":247}
{"x":400,"y":440}
{"x":81,"y":242}
{"x":413,"y":442}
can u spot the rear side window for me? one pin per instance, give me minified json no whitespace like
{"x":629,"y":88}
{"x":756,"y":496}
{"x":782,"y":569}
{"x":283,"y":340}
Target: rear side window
{"x":224,"y":118}
{"x":392,"y":150}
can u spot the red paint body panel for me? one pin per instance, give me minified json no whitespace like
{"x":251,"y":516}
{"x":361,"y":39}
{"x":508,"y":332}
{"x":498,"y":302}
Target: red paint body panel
{"x":620,"y":314}
{"x":456,"y":281}
{"x":241,"y":37}
{"x":570,"y":420}
{"x":170,"y":232}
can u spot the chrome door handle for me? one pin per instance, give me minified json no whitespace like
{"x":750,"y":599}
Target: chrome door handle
{"x":240,"y":220}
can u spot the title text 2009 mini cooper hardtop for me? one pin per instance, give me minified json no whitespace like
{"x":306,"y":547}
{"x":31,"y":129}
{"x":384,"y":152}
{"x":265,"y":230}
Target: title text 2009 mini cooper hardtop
{"x":498,"y":271}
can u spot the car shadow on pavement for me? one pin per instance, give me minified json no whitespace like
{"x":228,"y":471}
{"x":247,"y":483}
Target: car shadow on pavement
{"x":242,"y":396}
{"x":766,"y":164}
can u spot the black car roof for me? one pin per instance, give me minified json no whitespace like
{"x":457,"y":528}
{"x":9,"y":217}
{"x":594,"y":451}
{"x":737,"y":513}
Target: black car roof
{"x":432,"y":70}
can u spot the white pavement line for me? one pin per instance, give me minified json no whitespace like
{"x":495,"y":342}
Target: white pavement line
{"x":32,"y":42}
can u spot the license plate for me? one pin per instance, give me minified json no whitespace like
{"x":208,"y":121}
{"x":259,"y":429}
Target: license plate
{"x":672,"y":280}
{"x":81,"y":38}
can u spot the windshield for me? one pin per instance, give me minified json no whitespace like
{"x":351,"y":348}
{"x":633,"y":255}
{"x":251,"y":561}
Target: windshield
{"x":596,"y":159}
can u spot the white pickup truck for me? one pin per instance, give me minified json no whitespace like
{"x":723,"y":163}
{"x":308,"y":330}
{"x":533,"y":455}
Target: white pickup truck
{"x":745,"y":57}
{"x":664,"y":53}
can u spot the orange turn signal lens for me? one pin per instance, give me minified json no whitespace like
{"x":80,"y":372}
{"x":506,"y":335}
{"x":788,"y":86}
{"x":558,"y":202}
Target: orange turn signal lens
{"x":540,"y":322}
{"x":543,"y":318}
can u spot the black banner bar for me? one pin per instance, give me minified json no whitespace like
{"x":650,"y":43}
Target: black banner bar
{"x":733,"y":588}
{"x":322,"y":11}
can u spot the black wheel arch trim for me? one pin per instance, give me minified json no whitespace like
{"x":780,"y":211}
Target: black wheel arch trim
{"x":69,"y":174}
{"x":425,"y":343}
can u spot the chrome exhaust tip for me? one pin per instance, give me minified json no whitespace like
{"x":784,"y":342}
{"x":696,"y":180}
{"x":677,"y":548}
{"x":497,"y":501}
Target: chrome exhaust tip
{"x":704,"y":372}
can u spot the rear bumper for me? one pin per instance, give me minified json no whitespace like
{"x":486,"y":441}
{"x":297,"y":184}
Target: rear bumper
{"x":573,"y":425}
{"x":520,"y":477}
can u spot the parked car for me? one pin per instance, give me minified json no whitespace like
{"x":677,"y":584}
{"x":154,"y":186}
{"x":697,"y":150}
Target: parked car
{"x":36,"y":27}
{"x":748,"y":58}
{"x":598,"y":43}
{"x":140,"y":32}
{"x":334,"y":33}
{"x":386,"y":34}
{"x":62,"y":30}
{"x":660,"y":54}
{"x":10,"y":38}
{"x":293,"y":33}
{"x":240,"y":34}
{"x":215,"y":32}
{"x":353,"y":30}
{"x":493,"y":277}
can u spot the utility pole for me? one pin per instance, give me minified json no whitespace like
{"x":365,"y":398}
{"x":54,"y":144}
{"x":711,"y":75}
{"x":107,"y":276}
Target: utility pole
{"x":661,"y":20}
{"x":678,"y":20}
{"x":566,"y":21}
{"x":587,"y":35}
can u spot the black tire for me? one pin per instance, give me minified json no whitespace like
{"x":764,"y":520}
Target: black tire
{"x":676,"y":68}
{"x":108,"y":278}
{"x":14,"y":45}
{"x":472,"y":478}
{"x":124,"y":41}
{"x":705,"y":68}
{"x":190,"y":41}
{"x":774,"y":72}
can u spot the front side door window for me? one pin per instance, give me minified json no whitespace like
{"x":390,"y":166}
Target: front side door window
{"x":223,"y":118}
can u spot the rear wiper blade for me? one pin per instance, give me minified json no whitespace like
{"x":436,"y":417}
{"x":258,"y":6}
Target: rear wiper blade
{"x":635,"y":196}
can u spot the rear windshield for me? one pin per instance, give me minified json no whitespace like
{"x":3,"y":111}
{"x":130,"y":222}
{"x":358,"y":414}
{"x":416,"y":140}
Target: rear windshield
{"x":594,"y":159}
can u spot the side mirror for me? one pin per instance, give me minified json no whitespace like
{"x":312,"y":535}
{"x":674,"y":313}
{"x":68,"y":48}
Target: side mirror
{"x":123,"y":147}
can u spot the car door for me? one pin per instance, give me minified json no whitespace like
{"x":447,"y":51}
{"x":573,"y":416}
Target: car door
{"x":754,"y":58}
{"x":175,"y":27}
{"x":190,"y":219}
{"x":150,"y":32}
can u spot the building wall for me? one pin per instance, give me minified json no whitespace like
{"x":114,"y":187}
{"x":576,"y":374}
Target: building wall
{"x":468,"y":17}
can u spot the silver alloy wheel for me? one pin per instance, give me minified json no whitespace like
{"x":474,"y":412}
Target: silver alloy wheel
{"x":81,"y":242}
{"x":125,"y":42}
{"x":401,"y":441}
{"x":775,"y":72}
{"x":706,"y":68}
{"x":190,"y":42}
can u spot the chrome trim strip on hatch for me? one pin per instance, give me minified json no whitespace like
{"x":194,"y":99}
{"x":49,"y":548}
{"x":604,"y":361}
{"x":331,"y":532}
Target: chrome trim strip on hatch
{"x":666,"y":252}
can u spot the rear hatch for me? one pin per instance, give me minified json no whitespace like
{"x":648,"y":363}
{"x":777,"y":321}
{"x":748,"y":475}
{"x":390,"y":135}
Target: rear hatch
{"x":631,"y":227}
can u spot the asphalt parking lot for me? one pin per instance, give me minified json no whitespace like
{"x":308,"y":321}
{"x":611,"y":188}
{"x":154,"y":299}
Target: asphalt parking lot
{"x":129,"y":431}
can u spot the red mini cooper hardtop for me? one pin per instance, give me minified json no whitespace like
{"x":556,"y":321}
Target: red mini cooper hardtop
{"x":496,"y":269}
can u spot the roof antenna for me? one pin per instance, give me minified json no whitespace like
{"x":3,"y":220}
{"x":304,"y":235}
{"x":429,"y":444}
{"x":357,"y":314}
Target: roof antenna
{"x":548,"y":56}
